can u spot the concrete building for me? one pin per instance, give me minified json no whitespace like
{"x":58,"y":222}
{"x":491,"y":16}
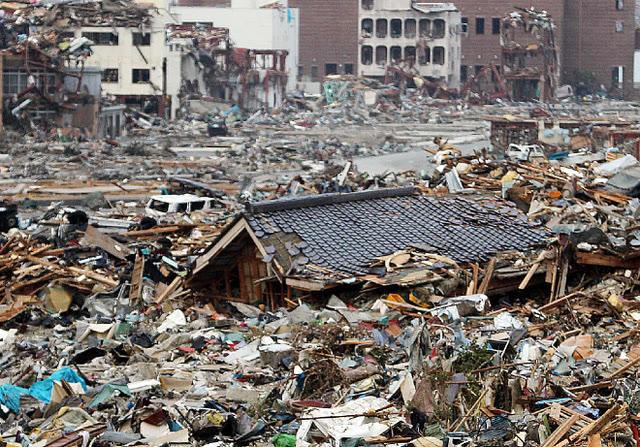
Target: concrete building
{"x":328,"y":40}
{"x":251,"y":26}
{"x":423,"y":37}
{"x":599,"y":43}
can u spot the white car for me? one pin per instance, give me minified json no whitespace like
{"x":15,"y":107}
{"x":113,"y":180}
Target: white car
{"x":185,"y":203}
{"x":524,"y":152}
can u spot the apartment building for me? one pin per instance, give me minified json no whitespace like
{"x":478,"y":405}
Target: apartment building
{"x":423,"y":38}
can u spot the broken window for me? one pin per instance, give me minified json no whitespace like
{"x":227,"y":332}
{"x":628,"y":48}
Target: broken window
{"x":479,"y":25}
{"x":110,"y":75}
{"x":140,"y":75}
{"x":438,"y":55}
{"x":367,"y":4}
{"x":439,"y":28}
{"x":410,"y":54}
{"x":15,"y":82}
{"x":425,"y":27}
{"x":314,"y":73}
{"x":102,"y":38}
{"x":300,"y":71}
{"x":381,"y":55}
{"x":67,"y":35}
{"x":366,"y":55}
{"x":366,"y":30}
{"x":396,"y":54}
{"x":348,"y":69}
{"x":381,"y":28}
{"x":620,"y":5}
{"x":330,"y":69}
{"x":410,"y":28}
{"x":142,"y":39}
{"x":159,"y":206}
{"x":464,"y":25}
{"x":396,"y":28}
{"x":619,"y":26}
{"x":464,"y":73}
{"x":424,"y":55}
{"x":495,"y":25}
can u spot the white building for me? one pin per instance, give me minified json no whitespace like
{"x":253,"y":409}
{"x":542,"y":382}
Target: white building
{"x":253,"y":27}
{"x":141,"y":66}
{"x":421,"y":37}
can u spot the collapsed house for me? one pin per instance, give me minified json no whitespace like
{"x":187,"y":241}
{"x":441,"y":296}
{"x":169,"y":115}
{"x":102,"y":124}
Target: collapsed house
{"x":284,"y":248}
{"x":530,"y":59}
{"x":47,"y":80}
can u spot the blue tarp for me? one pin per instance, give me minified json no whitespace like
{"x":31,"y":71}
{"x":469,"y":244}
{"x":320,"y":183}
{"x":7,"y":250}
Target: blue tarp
{"x":10,"y":394}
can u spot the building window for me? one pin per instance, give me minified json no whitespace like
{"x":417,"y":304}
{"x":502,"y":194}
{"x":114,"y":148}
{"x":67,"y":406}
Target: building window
{"x":479,"y":25}
{"x":300,"y":71}
{"x":620,"y":5}
{"x":424,"y":27}
{"x":439,"y":28}
{"x":15,"y":82}
{"x":102,"y":38}
{"x":381,"y":55}
{"x":424,"y":55}
{"x":381,"y":28}
{"x":465,"y":24}
{"x":617,"y":77}
{"x":110,"y":75}
{"x":330,"y":69}
{"x":464,"y":73}
{"x":410,"y":55}
{"x":396,"y":28}
{"x":410,"y":28}
{"x":438,"y":55}
{"x":366,"y":29}
{"x":396,"y":55}
{"x":366,"y":55}
{"x":140,"y":75}
{"x":367,"y":4}
{"x":619,"y":26}
{"x":314,"y":73}
{"x":348,"y":69}
{"x":142,"y":39}
{"x":477,"y":69}
{"x":495,"y":25}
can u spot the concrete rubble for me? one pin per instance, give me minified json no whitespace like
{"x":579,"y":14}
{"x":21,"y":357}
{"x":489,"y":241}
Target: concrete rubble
{"x":302,"y":280}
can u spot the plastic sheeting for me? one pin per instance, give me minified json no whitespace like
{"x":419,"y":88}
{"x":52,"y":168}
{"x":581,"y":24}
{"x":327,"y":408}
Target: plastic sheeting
{"x":10,"y":394}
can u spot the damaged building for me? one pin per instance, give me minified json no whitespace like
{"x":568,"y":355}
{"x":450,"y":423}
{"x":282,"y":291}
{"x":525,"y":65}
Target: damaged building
{"x":282,"y":248}
{"x":530,"y":61}
{"x":212,"y":71}
{"x":410,"y":40}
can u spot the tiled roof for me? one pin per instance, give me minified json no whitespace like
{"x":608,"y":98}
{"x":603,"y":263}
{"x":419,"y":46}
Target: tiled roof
{"x":345,"y":232}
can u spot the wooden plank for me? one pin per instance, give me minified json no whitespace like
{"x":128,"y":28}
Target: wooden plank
{"x":135,"y":291}
{"x":532,"y":271}
{"x":94,"y":237}
{"x":488,"y":275}
{"x":625,"y":368}
{"x":177,"y":281}
{"x":561,"y":431}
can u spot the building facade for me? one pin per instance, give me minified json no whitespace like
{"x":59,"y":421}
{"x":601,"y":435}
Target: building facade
{"x":423,"y":38}
{"x":599,"y":43}
{"x":328,"y":39}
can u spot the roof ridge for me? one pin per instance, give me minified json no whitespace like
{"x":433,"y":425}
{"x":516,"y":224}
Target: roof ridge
{"x":326,"y":199}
